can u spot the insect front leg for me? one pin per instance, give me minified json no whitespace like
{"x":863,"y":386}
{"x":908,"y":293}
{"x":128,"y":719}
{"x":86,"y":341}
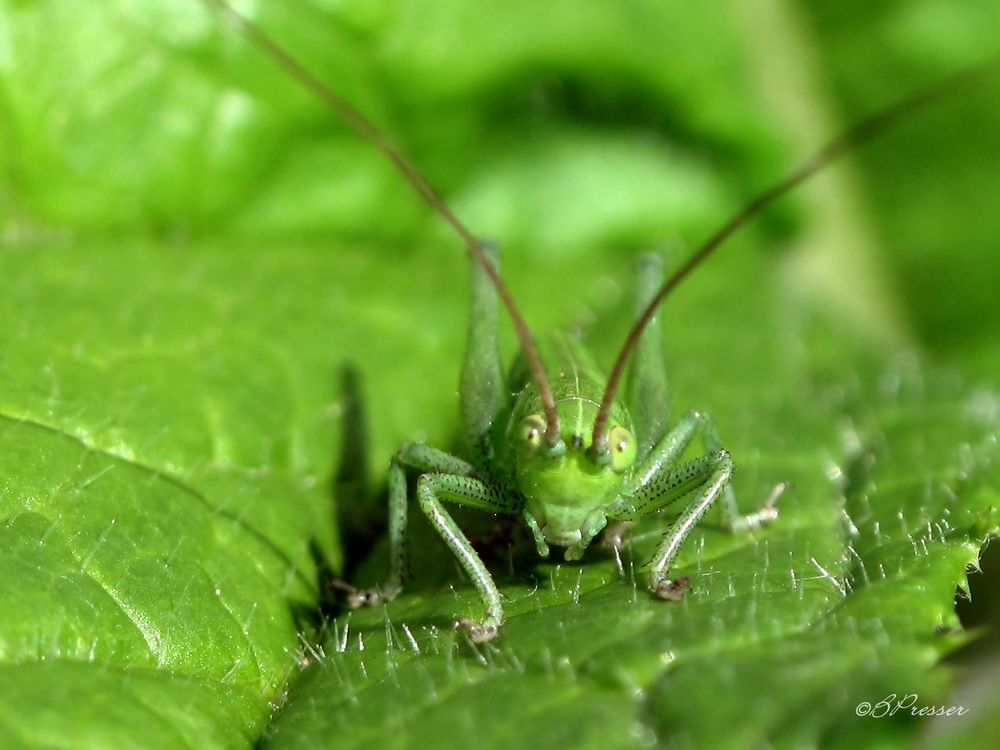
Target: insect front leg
{"x":469,"y":492}
{"x":423,"y":458}
{"x":661,"y":482}
{"x":445,"y":478}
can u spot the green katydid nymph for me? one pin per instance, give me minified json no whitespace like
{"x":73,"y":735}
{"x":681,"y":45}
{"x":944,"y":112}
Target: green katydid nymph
{"x":552,"y":442}
{"x":568,"y":477}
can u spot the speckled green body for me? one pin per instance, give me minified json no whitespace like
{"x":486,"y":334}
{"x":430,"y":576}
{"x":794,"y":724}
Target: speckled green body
{"x":564,"y":492}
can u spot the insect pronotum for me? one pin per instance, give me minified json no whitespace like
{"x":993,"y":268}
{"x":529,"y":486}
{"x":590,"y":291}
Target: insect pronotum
{"x":562,"y":453}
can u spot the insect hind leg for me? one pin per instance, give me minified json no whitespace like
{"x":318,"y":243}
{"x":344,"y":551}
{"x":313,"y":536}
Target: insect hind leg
{"x":647,"y":388}
{"x":483,"y":389}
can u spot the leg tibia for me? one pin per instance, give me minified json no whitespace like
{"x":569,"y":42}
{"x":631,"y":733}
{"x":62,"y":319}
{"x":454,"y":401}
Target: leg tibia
{"x":422,"y":458}
{"x":702,"y":481}
{"x":647,"y":389}
{"x":469,"y":492}
{"x":483,"y":391}
{"x":764,"y":515}
{"x":731,"y":517}
{"x":720,"y":470}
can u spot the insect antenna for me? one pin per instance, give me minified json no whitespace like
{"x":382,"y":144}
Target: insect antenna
{"x":859,"y":134}
{"x":298,"y":71}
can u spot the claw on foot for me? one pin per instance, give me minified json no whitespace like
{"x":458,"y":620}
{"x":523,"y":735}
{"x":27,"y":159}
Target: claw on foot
{"x":766,"y":514}
{"x":363,"y":598}
{"x":670,"y":589}
{"x":776,"y":492}
{"x":478,"y":632}
{"x":358,"y":598}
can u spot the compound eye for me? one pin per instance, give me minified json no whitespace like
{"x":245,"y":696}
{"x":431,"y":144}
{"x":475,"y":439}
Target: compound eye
{"x":531,"y":431}
{"x":621,"y":443}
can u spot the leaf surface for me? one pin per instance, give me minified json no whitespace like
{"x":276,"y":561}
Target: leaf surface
{"x":193,"y":249}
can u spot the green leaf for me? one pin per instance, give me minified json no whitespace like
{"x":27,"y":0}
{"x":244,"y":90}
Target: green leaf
{"x":848,"y":598}
{"x":192,"y":250}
